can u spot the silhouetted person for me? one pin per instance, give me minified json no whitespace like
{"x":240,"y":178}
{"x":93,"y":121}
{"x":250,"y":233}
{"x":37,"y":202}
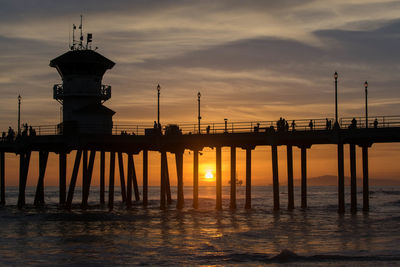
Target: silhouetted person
{"x":376,"y":123}
{"x":293,"y":125}
{"x":208,"y":129}
{"x":3,"y":136}
{"x":328,"y":122}
{"x":286,"y":126}
{"x":336,"y":125}
{"x":279,"y":124}
{"x":25,"y":130}
{"x":11,"y":134}
{"x":155,"y":125}
{"x":353,"y":124}
{"x":311,"y":125}
{"x":32,"y":131}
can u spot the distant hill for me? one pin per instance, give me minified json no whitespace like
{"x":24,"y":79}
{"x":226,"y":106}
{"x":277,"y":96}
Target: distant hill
{"x":331,"y":180}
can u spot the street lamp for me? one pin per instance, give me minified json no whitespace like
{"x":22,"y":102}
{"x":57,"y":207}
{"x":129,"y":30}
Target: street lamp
{"x":336,"y":113}
{"x":158,"y":105}
{"x":19,"y":114}
{"x":198,"y":100}
{"x":366,"y":104}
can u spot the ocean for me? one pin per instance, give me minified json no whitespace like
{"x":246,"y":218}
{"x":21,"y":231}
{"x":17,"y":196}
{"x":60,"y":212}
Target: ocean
{"x":318,"y":236}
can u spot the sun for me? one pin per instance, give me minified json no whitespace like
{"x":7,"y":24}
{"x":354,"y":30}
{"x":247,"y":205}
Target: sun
{"x":209,"y":175}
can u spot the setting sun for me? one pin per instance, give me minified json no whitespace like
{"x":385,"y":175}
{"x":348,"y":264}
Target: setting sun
{"x":209,"y":175}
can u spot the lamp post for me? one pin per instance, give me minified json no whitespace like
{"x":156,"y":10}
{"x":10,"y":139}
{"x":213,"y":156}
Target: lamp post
{"x":198,"y":101}
{"x":19,"y":114}
{"x":336,"y":113}
{"x":158,"y":105}
{"x":366,"y":104}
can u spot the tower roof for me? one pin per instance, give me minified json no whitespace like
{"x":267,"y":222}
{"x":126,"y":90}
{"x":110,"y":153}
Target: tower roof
{"x":81,"y":62}
{"x":82,"y":56}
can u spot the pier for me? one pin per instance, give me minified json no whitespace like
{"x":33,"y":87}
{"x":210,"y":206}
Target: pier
{"x":88,"y":130}
{"x":241,"y":135}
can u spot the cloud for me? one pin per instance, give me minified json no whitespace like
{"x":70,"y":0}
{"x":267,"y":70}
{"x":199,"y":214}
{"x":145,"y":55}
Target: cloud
{"x":254,"y":59}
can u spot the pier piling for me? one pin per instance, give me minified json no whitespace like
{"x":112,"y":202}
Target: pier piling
{"x":365,"y":178}
{"x":353,"y":178}
{"x":62,"y":184}
{"x":102,"y":176}
{"x":122,"y":176}
{"x":179,"y":172}
{"x":167,"y":183}
{"x":111,"y":181}
{"x":163,"y":181}
{"x":74,"y":176}
{"x":340,"y":153}
{"x":289,"y":151}
{"x":248,"y":178}
{"x":39,"y":195}
{"x":89,"y":173}
{"x":145,"y":177}
{"x":275,"y":177}
{"x":2,"y":179}
{"x":134,"y":178}
{"x":23,"y":176}
{"x":232,"y":204}
{"x":84,"y":175}
{"x":195,"y":179}
{"x":218,"y":178}
{"x":129,"y":183}
{"x":303,"y":177}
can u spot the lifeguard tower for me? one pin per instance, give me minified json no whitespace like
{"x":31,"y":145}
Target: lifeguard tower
{"x":82,"y":93}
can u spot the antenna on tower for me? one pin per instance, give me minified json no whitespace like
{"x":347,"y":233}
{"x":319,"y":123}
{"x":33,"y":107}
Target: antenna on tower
{"x":89,"y":39}
{"x":73,"y":37}
{"x":81,"y":38}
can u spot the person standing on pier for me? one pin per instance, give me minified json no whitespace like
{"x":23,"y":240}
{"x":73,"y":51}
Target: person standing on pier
{"x":311,"y":125}
{"x":293,"y":125}
{"x":376,"y":123}
{"x":328,"y":124}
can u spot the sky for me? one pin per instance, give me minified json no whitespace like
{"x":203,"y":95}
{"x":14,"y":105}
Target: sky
{"x":251,"y":61}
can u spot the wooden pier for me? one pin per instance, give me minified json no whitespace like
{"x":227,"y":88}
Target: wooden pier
{"x":88,"y":146}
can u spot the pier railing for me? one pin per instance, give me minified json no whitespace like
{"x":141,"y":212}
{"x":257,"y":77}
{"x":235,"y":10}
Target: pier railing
{"x":236,"y":126}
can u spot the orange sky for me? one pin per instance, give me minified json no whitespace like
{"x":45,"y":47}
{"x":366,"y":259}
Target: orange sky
{"x":321,"y":160}
{"x":251,"y":61}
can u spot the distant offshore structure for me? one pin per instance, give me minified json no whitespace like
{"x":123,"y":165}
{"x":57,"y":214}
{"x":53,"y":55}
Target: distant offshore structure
{"x":87,"y":128}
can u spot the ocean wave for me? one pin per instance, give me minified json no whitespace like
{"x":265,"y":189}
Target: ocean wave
{"x":385,"y":192}
{"x":287,"y":256}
